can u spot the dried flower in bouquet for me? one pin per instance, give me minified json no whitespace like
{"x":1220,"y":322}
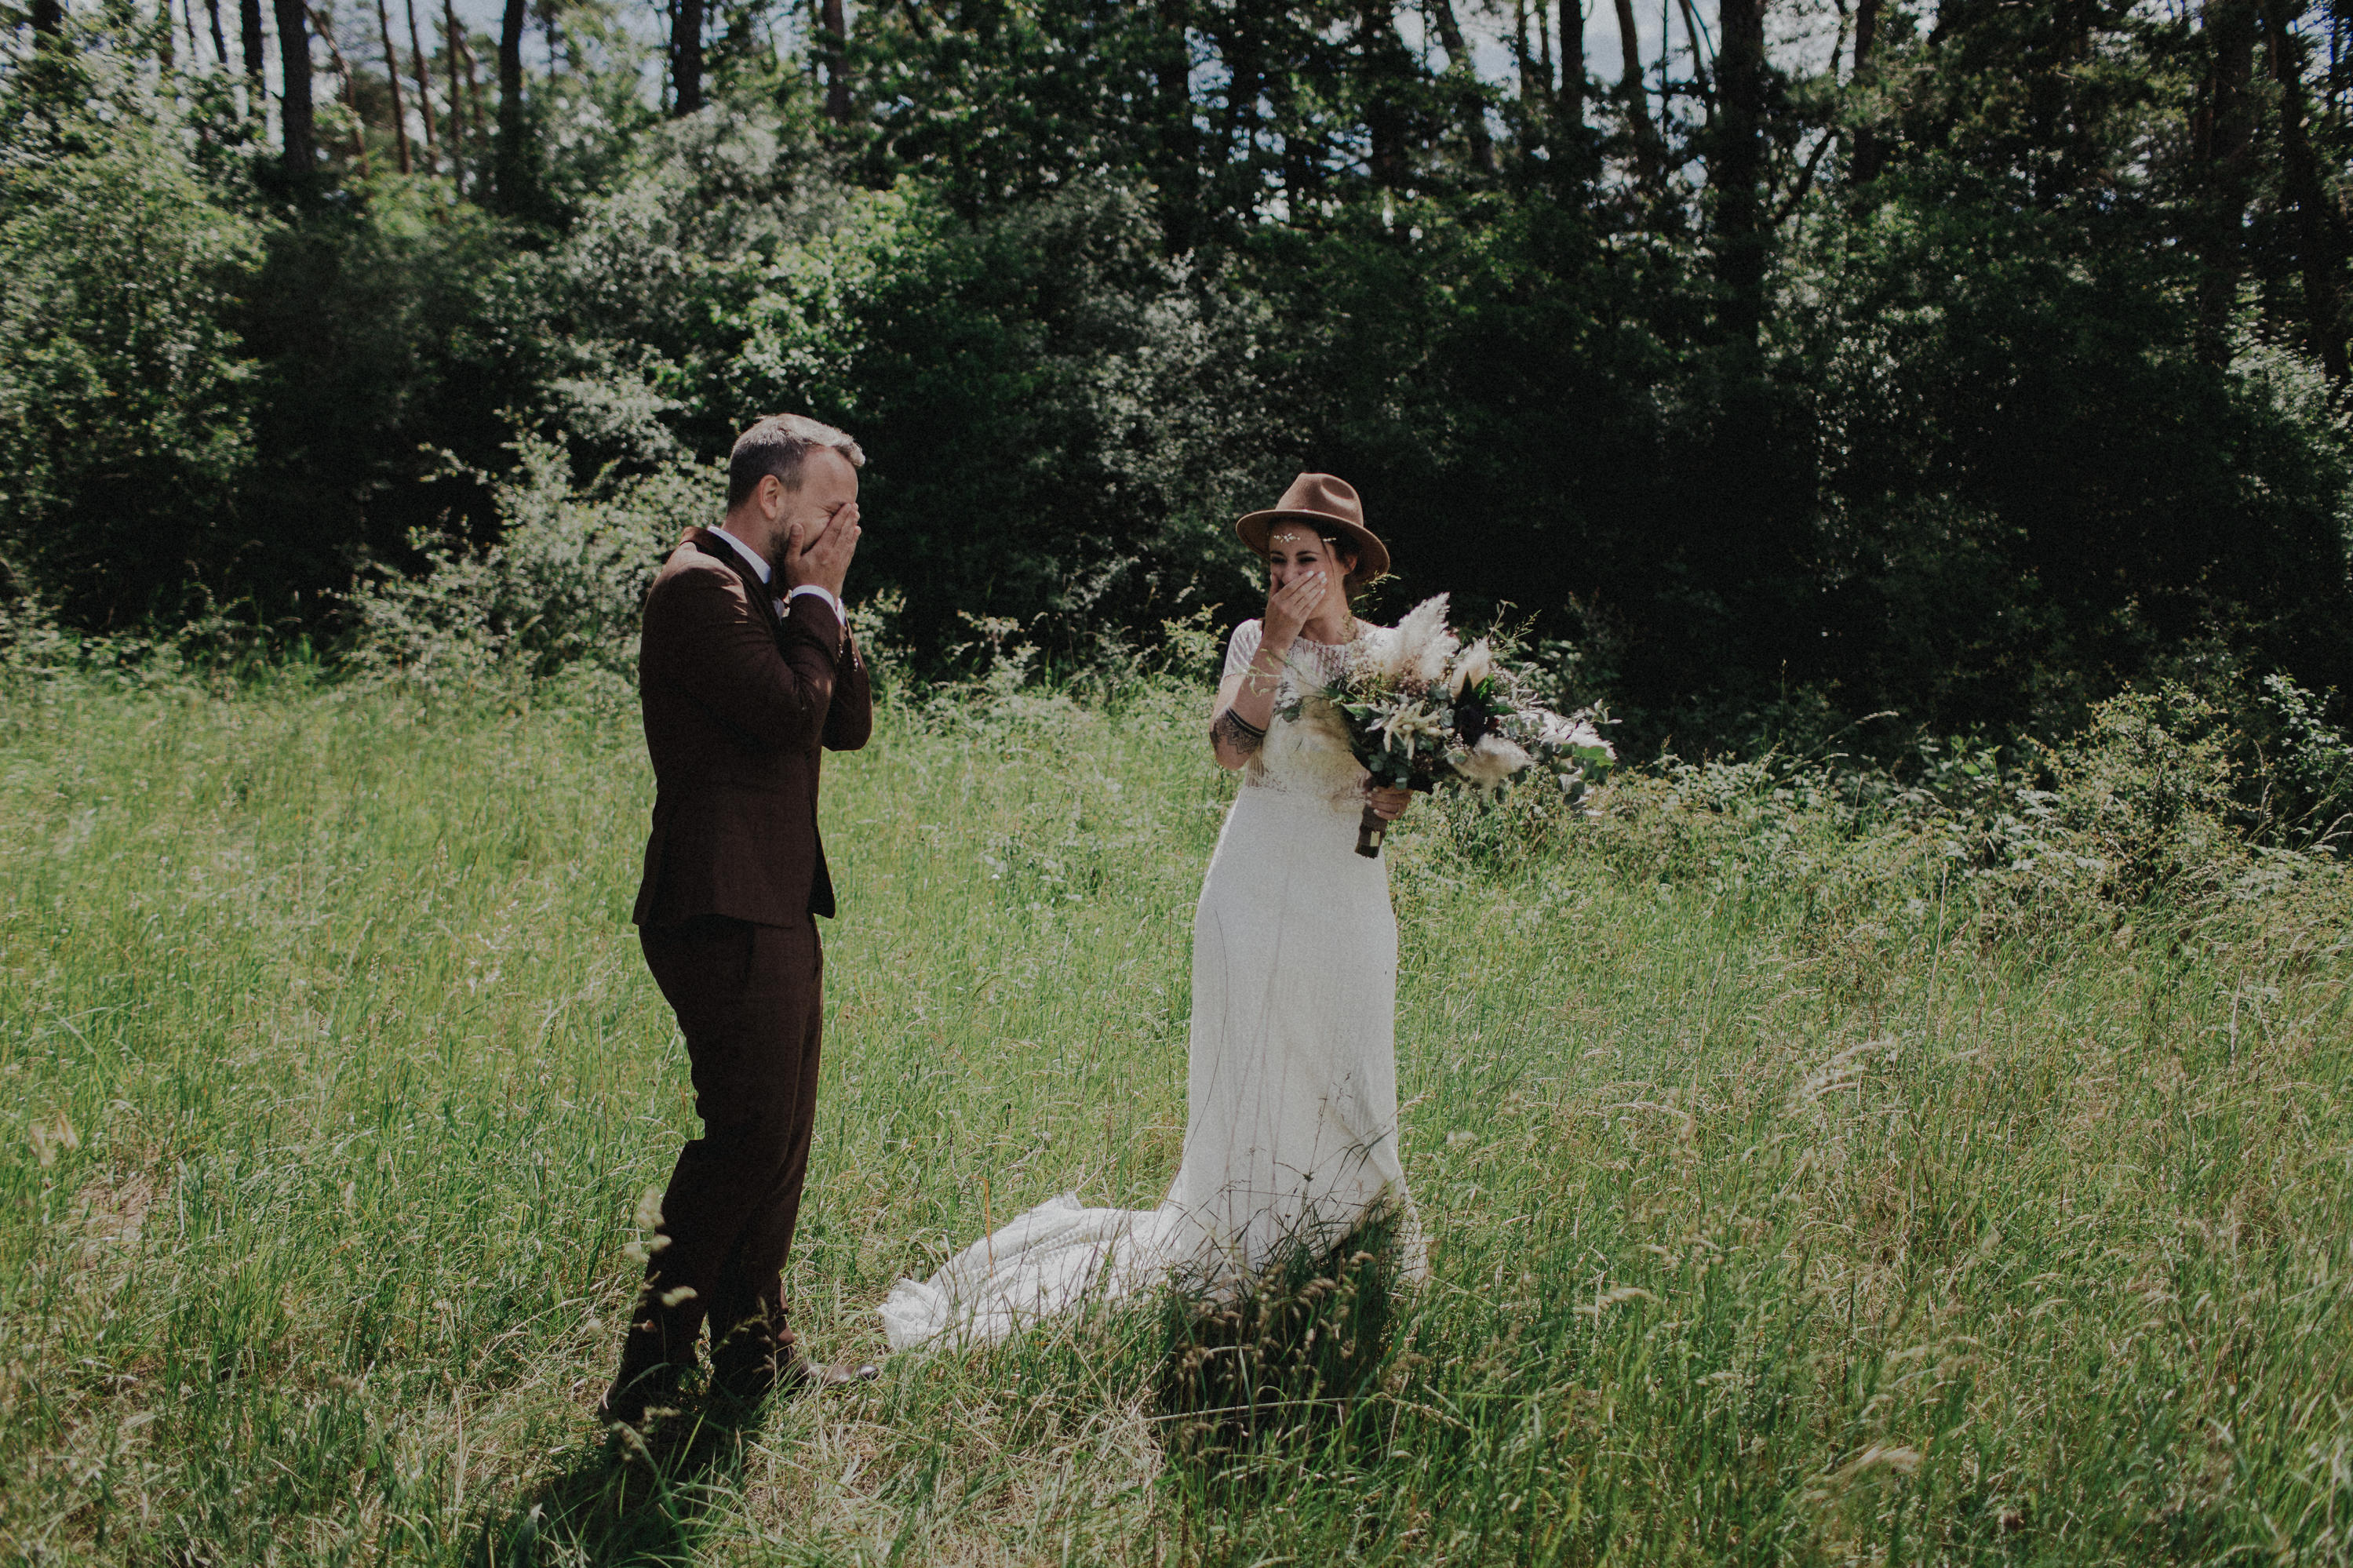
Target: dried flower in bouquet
{"x":1421,"y":712}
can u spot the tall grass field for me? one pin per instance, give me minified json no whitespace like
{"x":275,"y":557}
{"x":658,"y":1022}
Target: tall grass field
{"x":1794,"y":1194}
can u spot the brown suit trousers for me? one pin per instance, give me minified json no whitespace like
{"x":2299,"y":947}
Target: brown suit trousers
{"x":748,"y":999}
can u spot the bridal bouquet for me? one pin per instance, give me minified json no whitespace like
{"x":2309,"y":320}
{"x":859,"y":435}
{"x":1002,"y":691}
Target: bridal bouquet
{"x":1421,"y":711}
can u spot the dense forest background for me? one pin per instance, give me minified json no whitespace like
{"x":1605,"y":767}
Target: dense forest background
{"x":1802,"y":362}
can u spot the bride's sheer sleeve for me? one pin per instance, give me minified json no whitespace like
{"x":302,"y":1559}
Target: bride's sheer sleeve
{"x":1233,"y":739}
{"x":1241,"y":650}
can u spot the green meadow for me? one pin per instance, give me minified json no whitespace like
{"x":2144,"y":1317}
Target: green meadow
{"x":1793,"y":1196}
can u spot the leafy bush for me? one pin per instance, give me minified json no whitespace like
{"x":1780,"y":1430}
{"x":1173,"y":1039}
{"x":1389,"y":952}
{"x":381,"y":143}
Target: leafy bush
{"x":2142,"y":820}
{"x":125,"y":395}
{"x":2310,"y":763}
{"x":2010,"y":530}
{"x":2146,"y":794}
{"x":563,"y":587}
{"x":1056,"y":431}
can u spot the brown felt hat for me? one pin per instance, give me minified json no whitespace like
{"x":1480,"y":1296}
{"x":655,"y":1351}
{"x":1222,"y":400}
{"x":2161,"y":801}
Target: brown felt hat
{"x":1328,"y":505}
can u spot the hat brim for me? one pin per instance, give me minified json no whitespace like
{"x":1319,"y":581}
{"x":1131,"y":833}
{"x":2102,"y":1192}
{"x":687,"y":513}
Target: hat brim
{"x":1372,"y":555}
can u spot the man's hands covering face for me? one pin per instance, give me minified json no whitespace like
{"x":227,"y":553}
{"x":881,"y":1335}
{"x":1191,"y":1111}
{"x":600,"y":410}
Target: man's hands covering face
{"x":822,"y":558}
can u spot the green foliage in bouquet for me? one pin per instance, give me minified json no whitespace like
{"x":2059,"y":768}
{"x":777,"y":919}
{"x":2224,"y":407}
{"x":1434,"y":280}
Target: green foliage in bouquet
{"x":1422,"y":711}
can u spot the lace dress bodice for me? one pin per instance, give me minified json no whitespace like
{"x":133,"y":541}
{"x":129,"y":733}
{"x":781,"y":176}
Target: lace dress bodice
{"x":1307,"y":755}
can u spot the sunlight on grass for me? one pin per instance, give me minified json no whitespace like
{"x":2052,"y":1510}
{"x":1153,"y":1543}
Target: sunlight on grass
{"x":1769,"y":1223}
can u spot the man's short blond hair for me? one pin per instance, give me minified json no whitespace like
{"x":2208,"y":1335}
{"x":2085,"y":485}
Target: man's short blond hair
{"x":779,"y":445}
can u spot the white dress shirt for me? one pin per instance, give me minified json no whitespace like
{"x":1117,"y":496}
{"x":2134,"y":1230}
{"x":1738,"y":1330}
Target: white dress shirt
{"x":767,"y":572}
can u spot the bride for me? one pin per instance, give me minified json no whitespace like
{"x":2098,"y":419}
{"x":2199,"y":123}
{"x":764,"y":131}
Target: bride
{"x":1290,"y":1135}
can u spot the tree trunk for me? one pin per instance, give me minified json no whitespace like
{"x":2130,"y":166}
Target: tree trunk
{"x":1299,"y":150}
{"x":351,"y":92}
{"x":1520,"y":59}
{"x":837,"y":61}
{"x":1747,"y":551}
{"x":1699,"y":62}
{"x":474,"y":90}
{"x":220,"y":39}
{"x":392,"y":79}
{"x":1239,"y":132}
{"x":424,"y":86}
{"x":1179,"y":175}
{"x":1474,"y":103}
{"x":163,"y":52}
{"x":1870,"y":152}
{"x":513,"y":160}
{"x":256,"y":43}
{"x":296,"y":123}
{"x":1543,"y":53}
{"x":2221,"y":142}
{"x":2321,"y":242}
{"x":1572,"y":68}
{"x":48,"y":20}
{"x":1637,"y":97}
{"x":1384,"y":58}
{"x":686,"y":57}
{"x":1735,"y":169}
{"x":456,"y":137}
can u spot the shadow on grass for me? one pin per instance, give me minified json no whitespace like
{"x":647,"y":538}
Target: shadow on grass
{"x":627,"y":1500}
{"x":1291,"y":1354}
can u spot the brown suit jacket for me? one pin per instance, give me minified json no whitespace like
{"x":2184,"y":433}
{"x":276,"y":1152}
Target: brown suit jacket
{"x":736,"y":707}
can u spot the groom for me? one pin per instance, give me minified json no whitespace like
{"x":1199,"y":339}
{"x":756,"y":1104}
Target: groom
{"x":746,"y":667}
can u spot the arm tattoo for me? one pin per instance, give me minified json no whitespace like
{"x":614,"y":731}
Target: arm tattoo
{"x":1236,"y":731}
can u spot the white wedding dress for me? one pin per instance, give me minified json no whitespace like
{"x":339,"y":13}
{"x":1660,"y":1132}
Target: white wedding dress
{"x":1290,"y":1132}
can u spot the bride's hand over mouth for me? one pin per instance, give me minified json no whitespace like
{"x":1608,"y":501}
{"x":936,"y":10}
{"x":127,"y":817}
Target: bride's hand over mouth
{"x":1289,"y":606}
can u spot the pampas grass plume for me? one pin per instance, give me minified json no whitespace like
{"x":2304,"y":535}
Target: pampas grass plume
{"x":1491,"y":760}
{"x":1475,"y":665}
{"x":1424,"y":644}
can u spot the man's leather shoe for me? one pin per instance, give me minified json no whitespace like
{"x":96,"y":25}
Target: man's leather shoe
{"x":633,"y":1394}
